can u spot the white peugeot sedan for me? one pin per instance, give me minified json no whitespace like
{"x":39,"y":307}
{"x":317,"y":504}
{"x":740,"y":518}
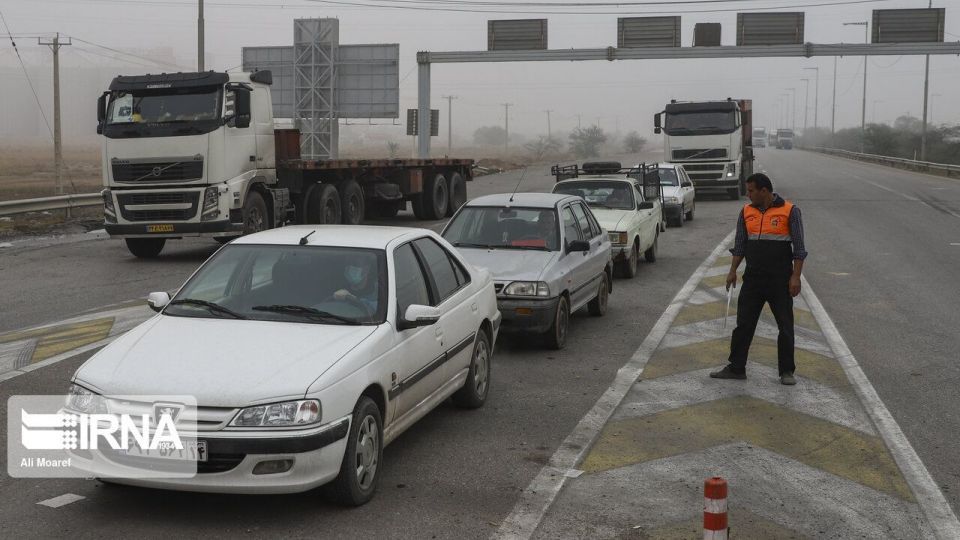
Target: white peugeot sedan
{"x":308,"y":349}
{"x":679,"y":196}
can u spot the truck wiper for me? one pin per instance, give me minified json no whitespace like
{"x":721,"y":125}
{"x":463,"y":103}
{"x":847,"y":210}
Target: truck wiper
{"x":304,"y":311}
{"x":212,"y":306}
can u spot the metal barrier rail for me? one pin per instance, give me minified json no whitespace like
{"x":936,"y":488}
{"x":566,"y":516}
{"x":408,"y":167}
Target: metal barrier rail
{"x":60,"y":202}
{"x":941,"y":169}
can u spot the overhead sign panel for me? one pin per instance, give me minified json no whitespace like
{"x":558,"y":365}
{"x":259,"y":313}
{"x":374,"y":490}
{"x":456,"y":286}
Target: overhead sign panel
{"x":279,"y":61}
{"x":517,"y":35}
{"x":368,"y":81}
{"x":769,"y":29}
{"x":636,"y":32}
{"x":706,"y":35}
{"x":908,"y":25}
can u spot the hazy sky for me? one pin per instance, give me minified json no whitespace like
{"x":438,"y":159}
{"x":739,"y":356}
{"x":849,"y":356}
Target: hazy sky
{"x":623,"y":94}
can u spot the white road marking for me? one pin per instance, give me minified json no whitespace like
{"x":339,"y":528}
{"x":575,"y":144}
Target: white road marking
{"x":541,"y":492}
{"x":955,"y":243}
{"x":62,"y":500}
{"x":931,"y":500}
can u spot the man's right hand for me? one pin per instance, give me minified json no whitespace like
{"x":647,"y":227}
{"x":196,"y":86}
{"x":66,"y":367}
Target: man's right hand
{"x":732,"y":279}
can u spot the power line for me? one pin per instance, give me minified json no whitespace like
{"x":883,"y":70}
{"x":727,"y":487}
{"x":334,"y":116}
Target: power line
{"x":26,"y":74}
{"x":151,"y":60}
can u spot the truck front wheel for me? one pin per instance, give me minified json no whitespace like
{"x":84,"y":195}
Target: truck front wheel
{"x":255,"y":218}
{"x":146,"y":248}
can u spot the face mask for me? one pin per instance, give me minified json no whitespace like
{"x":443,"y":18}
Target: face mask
{"x":354,"y":274}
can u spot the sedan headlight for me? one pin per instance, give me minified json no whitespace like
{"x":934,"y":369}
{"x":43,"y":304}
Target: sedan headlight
{"x":671,"y":200}
{"x":211,"y":207}
{"x":81,"y":400}
{"x":289,"y":413}
{"x":619,"y":238}
{"x":527,"y":288}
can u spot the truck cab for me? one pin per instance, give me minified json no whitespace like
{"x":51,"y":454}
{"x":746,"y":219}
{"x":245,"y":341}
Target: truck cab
{"x":181,"y":153}
{"x":759,"y":137}
{"x":713,"y":140}
{"x":785,"y":139}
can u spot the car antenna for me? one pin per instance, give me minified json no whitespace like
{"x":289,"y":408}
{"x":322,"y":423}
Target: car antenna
{"x":303,"y":241}
{"x":518,"y":184}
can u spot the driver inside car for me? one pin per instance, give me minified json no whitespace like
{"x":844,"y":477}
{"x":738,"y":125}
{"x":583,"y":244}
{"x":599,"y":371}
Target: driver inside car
{"x":361,"y":284}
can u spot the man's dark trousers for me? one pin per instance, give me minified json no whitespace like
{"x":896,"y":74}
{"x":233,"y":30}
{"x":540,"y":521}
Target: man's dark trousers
{"x":756,"y":291}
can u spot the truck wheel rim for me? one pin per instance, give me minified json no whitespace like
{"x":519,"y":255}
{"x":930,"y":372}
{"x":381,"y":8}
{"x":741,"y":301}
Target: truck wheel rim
{"x":254,"y":220}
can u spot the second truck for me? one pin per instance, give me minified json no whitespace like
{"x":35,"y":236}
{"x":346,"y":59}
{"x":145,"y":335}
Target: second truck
{"x":197,"y":154}
{"x":713,"y":140}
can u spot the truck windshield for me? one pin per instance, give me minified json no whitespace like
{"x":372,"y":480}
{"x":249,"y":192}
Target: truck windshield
{"x":163,"y":112}
{"x":701,"y":123}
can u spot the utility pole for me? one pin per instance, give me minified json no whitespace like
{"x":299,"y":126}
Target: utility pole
{"x":579,"y":117}
{"x":833,"y":105}
{"x":200,"y":37}
{"x":926,"y":90}
{"x":806,"y":103}
{"x":57,"y":141}
{"x":816,"y":96}
{"x":506,"y":127}
{"x":863,"y":110}
{"x":549,"y":131}
{"x":931,"y":105}
{"x":449,"y":123}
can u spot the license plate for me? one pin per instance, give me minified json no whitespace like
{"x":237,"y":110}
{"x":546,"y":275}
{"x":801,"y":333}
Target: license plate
{"x":166,"y":227}
{"x":191,"y":451}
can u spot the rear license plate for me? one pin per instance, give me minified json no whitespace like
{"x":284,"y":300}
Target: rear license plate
{"x":163,"y":228}
{"x":191,"y":451}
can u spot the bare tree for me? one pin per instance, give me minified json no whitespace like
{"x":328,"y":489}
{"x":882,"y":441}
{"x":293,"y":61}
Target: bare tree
{"x":586,"y":143}
{"x":633,"y":142}
{"x":543,"y":146}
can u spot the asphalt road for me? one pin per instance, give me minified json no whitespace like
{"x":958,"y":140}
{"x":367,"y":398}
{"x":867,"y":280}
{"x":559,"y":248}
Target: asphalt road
{"x":880,"y":261}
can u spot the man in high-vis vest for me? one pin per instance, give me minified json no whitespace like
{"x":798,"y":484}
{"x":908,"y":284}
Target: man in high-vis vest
{"x":770,"y":237}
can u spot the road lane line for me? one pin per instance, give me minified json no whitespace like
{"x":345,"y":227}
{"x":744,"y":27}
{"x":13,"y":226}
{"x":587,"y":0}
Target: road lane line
{"x":931,"y":500}
{"x":539,"y":495}
{"x":62,"y":500}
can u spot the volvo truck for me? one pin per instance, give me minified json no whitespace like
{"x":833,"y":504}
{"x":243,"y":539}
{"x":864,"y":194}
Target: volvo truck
{"x":713,"y":140}
{"x":198,"y":154}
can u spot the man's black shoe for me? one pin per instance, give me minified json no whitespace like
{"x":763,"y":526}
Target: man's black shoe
{"x":727,"y":373}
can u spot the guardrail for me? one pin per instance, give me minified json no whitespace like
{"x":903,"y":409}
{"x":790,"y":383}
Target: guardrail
{"x":60,"y":202}
{"x":941,"y":169}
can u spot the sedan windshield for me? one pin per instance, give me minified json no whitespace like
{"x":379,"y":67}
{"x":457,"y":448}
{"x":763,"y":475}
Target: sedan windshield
{"x":324,"y":285}
{"x":505,"y":228}
{"x":668,"y":177}
{"x":599,"y":194}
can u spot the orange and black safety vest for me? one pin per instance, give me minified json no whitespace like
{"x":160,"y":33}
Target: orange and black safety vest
{"x":769,"y":250}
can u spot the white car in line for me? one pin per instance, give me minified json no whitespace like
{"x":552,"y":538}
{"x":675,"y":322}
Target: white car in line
{"x":308,"y":349}
{"x":679,"y":196}
{"x":632,"y":221}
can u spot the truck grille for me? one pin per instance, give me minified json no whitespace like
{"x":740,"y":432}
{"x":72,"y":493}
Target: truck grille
{"x":159,"y":214}
{"x":705,"y":171}
{"x":157,"y":171}
{"x":700,"y":153}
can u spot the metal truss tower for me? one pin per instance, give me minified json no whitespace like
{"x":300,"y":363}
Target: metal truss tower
{"x":315,"y":44}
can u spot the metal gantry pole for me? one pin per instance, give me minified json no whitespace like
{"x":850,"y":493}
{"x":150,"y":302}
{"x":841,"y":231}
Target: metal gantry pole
{"x":866,"y":60}
{"x":423,"y":109}
{"x":200,"y":38}
{"x":549,"y":131}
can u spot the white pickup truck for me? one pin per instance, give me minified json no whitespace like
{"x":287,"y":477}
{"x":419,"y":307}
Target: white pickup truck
{"x":626,"y":202}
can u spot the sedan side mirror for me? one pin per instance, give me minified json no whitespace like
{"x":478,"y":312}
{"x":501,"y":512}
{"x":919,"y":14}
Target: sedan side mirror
{"x":576,"y":246}
{"x":645,"y":205}
{"x":158,"y":300}
{"x":417,"y":316}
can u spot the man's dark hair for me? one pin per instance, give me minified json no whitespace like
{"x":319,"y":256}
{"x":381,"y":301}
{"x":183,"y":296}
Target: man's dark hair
{"x":760,"y":181}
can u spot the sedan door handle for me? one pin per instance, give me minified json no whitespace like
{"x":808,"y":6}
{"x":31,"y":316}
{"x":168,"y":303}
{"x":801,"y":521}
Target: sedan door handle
{"x":473,"y":307}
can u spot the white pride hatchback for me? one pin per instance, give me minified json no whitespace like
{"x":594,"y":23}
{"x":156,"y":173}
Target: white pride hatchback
{"x":308,"y":349}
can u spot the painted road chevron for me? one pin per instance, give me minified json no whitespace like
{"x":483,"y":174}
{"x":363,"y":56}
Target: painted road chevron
{"x":802,"y":462}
